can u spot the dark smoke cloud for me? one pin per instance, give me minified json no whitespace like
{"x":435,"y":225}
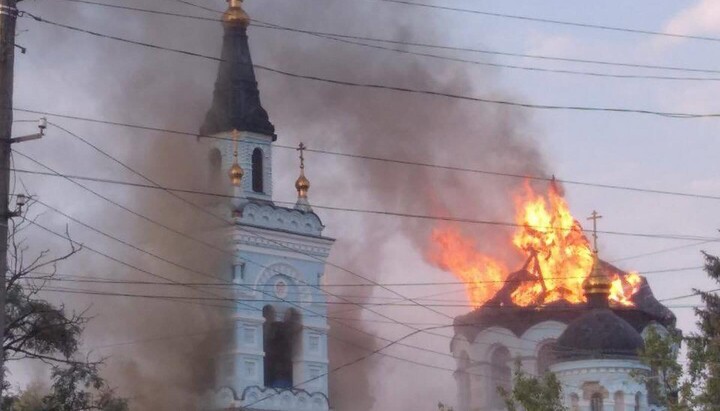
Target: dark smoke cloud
{"x":99,"y":77}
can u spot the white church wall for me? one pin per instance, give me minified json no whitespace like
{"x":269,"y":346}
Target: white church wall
{"x":612,"y":379}
{"x":485,"y":375}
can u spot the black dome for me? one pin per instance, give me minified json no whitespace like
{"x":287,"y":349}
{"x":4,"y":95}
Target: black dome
{"x":599,"y":334}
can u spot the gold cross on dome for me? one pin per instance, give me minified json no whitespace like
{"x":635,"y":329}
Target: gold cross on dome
{"x":301,"y":148}
{"x":595,"y":217}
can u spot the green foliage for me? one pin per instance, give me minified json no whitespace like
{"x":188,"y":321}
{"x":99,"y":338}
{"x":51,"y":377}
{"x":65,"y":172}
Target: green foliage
{"x":532,"y":393}
{"x":37,"y":329}
{"x":704,"y":346}
{"x":80,"y":387}
{"x":665,"y":383}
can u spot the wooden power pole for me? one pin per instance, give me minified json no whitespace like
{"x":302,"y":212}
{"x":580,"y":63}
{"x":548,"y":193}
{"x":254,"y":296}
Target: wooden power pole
{"x":8,"y":18}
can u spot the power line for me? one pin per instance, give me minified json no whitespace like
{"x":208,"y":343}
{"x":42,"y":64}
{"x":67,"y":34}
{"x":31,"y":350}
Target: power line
{"x":617,"y":110}
{"x":559,"y":22}
{"x":284,"y":246}
{"x":681,"y":237}
{"x":104,"y":280}
{"x":352,"y":40}
{"x":297,"y":305}
{"x":388,"y":304}
{"x":333,"y":36}
{"x":386,"y":159}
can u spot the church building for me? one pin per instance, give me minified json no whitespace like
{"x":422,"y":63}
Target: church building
{"x":278,"y":358}
{"x":591,"y":347}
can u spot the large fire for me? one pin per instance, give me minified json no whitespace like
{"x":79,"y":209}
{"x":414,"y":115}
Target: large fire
{"x":552,"y":242}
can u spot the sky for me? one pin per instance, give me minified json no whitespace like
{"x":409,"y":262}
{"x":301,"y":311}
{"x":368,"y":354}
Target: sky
{"x":79,"y":74}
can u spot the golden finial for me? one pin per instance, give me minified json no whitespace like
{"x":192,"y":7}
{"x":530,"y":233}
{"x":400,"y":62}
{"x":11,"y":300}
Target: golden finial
{"x":235,"y":15}
{"x":597,"y":282}
{"x":302,"y":184}
{"x":236,"y":172}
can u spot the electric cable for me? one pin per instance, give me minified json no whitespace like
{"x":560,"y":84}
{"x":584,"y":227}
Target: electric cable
{"x":682,"y":237}
{"x":385,"y":159}
{"x":557,"y":22}
{"x":509,"y":103}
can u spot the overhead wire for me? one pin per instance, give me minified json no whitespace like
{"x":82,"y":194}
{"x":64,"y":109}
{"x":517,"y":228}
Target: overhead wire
{"x":554,"y":21}
{"x":297,"y":305}
{"x":683,"y":237}
{"x":500,"y":102}
{"x":416,"y":163}
{"x":275,"y":26}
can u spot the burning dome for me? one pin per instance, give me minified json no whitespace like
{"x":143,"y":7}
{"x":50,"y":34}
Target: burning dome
{"x":564,"y":310}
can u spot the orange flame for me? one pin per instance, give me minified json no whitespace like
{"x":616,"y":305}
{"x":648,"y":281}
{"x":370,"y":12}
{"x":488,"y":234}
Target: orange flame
{"x":556,"y":250}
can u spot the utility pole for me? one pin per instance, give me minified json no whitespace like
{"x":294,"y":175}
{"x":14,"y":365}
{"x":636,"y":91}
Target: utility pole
{"x":8,"y":19}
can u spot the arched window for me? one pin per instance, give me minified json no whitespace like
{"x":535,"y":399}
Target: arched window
{"x":500,"y":375}
{"x":596,"y":402}
{"x":257,"y":171}
{"x":279,"y":344}
{"x":619,"y":401}
{"x":638,"y":401}
{"x":463,"y":380}
{"x":546,"y":357}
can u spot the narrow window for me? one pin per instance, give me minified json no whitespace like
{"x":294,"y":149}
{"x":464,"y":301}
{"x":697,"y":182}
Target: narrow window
{"x":638,"y":400}
{"x":596,"y":402}
{"x":257,"y":171}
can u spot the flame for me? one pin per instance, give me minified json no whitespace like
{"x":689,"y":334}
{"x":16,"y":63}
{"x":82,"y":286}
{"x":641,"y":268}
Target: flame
{"x":558,"y":257}
{"x":483,"y":275}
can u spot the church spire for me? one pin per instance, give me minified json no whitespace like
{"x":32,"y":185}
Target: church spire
{"x":236,"y":100}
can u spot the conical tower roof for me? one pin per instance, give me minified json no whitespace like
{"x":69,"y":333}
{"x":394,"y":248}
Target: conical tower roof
{"x":236,"y":100}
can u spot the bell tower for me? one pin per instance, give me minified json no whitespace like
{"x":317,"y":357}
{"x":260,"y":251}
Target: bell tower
{"x":278,"y":359}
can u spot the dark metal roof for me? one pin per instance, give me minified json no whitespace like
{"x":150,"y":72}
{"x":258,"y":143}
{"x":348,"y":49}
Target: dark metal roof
{"x":500,"y":311}
{"x":598,"y":334}
{"x":236,"y":100}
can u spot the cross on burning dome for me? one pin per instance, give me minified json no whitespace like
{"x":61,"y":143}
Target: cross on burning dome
{"x":595,"y":217}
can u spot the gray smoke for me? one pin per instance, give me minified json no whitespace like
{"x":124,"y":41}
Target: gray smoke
{"x":102,"y":78}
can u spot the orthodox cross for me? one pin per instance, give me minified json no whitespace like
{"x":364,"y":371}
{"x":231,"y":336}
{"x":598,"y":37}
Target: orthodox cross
{"x":301,"y":148}
{"x":595,"y":217}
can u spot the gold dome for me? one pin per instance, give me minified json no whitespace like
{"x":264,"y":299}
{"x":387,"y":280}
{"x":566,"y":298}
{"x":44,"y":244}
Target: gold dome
{"x":597,"y":282}
{"x":302,"y":185}
{"x":236,"y":174}
{"x":235,"y":15}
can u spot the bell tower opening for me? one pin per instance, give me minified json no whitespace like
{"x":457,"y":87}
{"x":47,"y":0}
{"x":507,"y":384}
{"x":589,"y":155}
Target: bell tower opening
{"x":280,"y":340}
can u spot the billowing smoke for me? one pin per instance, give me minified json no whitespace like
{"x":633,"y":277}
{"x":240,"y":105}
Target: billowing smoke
{"x":127,"y":83}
